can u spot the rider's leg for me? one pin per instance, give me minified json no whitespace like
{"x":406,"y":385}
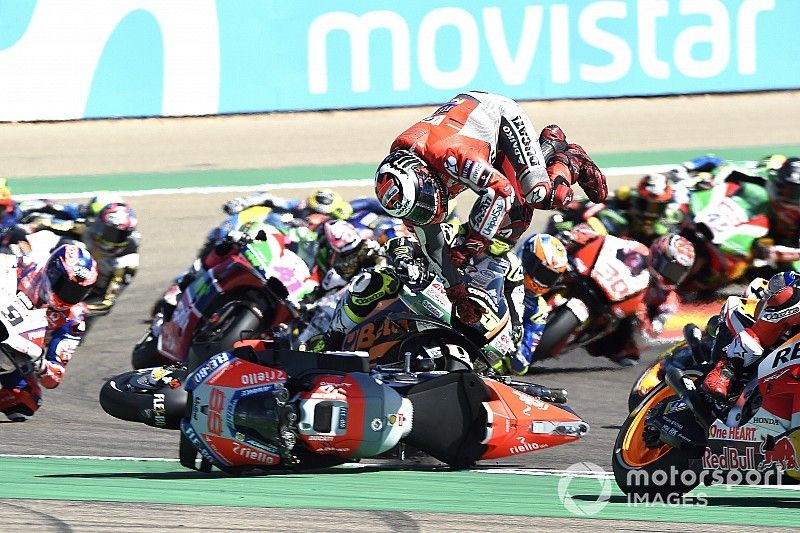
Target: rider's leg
{"x":364,"y":293}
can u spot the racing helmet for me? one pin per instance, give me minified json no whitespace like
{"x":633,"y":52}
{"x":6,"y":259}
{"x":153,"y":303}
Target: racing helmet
{"x":409,"y":190}
{"x":771,"y":161}
{"x":781,"y":280}
{"x":111,"y":230}
{"x":344,"y":244}
{"x":757,"y":289}
{"x":97,"y":202}
{"x":6,"y":203}
{"x":670,"y":260}
{"x":784,"y":191}
{"x":328,"y":202}
{"x":67,"y":277}
{"x":654,"y":193}
{"x":544,"y":259}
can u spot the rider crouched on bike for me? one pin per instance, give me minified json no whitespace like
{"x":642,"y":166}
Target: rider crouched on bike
{"x":544,"y":260}
{"x":405,"y":264}
{"x":668,"y":261}
{"x":106,"y":225}
{"x":487,"y":143}
{"x":643,"y":214}
{"x":777,"y":313}
{"x":59,"y":285}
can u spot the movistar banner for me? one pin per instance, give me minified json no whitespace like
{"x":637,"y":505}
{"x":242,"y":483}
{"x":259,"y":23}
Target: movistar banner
{"x":66,"y":59}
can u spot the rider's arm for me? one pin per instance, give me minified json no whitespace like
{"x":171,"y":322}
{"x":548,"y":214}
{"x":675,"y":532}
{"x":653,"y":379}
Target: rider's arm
{"x":236,"y":205}
{"x":60,"y":350}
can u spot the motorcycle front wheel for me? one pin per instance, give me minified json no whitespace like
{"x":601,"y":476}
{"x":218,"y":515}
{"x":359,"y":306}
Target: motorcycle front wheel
{"x":651,"y":471}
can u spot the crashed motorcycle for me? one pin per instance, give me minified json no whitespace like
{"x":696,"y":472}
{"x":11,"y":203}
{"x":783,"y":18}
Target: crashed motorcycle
{"x":265,"y":406}
{"x":605,"y":283}
{"x":677,"y":430}
{"x":255,"y":289}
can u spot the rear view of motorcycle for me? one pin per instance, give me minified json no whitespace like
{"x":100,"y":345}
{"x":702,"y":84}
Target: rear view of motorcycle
{"x":266,"y":406}
{"x":605,"y":284}
{"x":253,"y":290}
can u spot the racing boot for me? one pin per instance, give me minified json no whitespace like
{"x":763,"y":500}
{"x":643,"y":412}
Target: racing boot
{"x":726,"y":373}
{"x":742,"y":351}
{"x":628,"y":355}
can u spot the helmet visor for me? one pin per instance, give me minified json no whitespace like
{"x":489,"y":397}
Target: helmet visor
{"x":671,"y":271}
{"x":787,"y":193}
{"x":650,"y":208}
{"x":429,"y":208}
{"x":113,"y":236}
{"x":541,"y":275}
{"x":68,"y":291}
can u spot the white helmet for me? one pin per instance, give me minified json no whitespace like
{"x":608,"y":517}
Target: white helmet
{"x":409,"y":190}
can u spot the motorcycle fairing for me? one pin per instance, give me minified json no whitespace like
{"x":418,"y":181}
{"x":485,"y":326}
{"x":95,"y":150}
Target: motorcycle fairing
{"x":734,"y":213}
{"x":519,"y":423}
{"x":769,"y":438}
{"x":352,"y":415}
{"x":215,"y":389}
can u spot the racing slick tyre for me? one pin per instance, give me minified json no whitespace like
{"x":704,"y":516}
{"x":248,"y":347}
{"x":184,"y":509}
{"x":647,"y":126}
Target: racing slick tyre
{"x":155,"y":397}
{"x":145,"y":354}
{"x":559,"y":327}
{"x":221,"y":336}
{"x":652,"y":471}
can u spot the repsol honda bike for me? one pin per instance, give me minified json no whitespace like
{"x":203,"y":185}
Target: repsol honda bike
{"x":255,"y":289}
{"x":265,"y":406}
{"x":677,"y":437}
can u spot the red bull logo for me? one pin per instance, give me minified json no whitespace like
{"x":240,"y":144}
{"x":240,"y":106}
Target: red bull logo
{"x":781,"y":456}
{"x":730,"y":458}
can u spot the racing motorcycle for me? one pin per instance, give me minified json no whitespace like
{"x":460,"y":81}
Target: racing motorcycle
{"x":605,"y":283}
{"x":699,"y":349}
{"x":724,"y":223}
{"x":266,"y":406}
{"x":677,"y":430}
{"x":422,"y":312}
{"x":22,"y":327}
{"x":255,"y":289}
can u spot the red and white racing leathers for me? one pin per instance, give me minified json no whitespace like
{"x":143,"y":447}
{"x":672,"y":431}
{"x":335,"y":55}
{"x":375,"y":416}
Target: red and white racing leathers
{"x":487,"y":143}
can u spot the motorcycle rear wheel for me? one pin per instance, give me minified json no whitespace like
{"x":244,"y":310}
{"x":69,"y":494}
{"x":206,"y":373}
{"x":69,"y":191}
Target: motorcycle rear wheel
{"x":146,"y":355}
{"x":554,"y":338}
{"x":224,"y":336}
{"x":638,"y":469}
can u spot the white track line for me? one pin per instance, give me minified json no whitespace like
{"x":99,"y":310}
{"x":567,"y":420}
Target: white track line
{"x":611,"y":172}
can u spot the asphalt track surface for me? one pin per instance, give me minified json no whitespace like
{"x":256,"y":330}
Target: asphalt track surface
{"x":71,"y":421}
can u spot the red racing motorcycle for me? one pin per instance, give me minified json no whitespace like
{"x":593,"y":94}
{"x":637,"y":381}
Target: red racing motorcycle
{"x":605,"y":283}
{"x":266,"y":407}
{"x":255,"y":290}
{"x":676,"y":431}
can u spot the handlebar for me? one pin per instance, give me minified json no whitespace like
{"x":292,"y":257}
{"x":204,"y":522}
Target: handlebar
{"x":539,"y":391}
